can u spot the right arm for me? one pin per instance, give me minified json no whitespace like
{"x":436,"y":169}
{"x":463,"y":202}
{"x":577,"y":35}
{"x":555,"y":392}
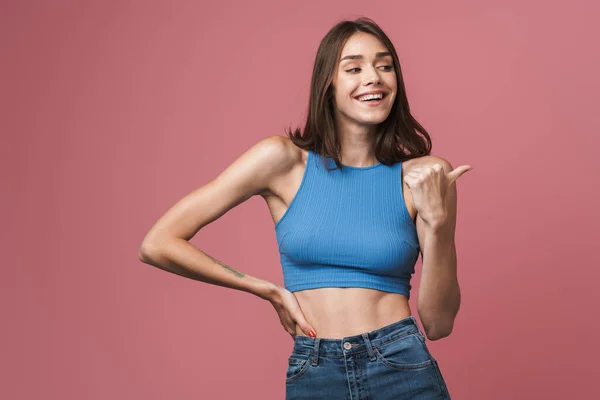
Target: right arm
{"x":166,"y":245}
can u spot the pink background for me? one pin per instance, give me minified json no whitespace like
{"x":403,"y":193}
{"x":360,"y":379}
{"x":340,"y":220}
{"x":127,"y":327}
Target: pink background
{"x":113,"y":110}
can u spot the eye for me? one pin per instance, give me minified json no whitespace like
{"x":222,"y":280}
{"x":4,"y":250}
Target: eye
{"x":386,"y":68}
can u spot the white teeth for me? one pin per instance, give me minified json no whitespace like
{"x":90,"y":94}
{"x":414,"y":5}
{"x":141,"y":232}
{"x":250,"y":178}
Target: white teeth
{"x":371,"y":96}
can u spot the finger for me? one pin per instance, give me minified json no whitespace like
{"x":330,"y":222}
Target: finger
{"x":457,"y":172}
{"x":306,"y":327}
{"x":413,"y":178}
{"x":309,"y":331}
{"x":437,"y":167}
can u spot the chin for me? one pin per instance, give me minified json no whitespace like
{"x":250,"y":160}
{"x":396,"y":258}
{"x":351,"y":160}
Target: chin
{"x":366,"y":118}
{"x":373,"y":120}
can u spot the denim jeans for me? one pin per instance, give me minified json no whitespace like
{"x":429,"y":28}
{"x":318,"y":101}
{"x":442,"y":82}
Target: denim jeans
{"x":392,"y":362}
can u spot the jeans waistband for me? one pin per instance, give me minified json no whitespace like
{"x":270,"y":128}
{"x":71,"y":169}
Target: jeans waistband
{"x":357,"y":343}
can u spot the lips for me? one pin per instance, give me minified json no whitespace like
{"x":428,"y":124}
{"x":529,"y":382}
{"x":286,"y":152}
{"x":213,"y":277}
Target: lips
{"x":373,"y":92}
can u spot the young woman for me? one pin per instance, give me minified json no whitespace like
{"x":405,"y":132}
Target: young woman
{"x":355,"y":197}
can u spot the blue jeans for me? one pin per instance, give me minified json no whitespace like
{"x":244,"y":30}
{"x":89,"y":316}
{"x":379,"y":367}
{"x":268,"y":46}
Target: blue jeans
{"x":392,"y":362}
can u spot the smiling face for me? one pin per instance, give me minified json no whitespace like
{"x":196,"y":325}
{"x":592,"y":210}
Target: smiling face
{"x":366,"y":66}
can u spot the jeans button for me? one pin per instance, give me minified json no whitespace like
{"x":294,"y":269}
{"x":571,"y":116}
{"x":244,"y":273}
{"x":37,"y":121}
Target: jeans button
{"x":347,"y":345}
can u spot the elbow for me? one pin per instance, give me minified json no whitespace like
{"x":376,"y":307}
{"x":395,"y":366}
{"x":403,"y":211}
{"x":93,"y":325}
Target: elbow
{"x":437,"y":335}
{"x":439,"y":332}
{"x":152,"y":247}
{"x":152,"y":251}
{"x":147,"y":252}
{"x":436,"y":327}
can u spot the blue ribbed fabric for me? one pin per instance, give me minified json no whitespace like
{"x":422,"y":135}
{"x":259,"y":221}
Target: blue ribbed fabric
{"x":348,"y":228}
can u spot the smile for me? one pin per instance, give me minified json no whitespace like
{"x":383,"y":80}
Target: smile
{"x":370,"y":101}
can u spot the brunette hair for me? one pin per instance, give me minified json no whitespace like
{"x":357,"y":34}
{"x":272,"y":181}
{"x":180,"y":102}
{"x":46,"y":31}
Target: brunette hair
{"x":396,"y":138}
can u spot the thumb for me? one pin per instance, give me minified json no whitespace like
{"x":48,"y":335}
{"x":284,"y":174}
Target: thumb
{"x":457,"y":172}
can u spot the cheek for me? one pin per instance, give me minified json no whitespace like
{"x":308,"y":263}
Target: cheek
{"x":393,"y":85}
{"x":344,"y":95}
{"x":345,"y":88}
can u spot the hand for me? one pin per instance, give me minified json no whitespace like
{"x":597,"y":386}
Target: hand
{"x":428,"y":185}
{"x":289,"y":312}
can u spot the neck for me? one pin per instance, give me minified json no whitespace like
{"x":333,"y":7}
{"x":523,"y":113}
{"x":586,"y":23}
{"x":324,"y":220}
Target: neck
{"x":357,"y":150}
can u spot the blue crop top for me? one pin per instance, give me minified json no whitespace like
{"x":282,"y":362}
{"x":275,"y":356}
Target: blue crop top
{"x":348,"y":228}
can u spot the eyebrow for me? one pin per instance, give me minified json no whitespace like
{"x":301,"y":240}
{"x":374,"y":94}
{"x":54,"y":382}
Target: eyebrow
{"x":360,"y":56}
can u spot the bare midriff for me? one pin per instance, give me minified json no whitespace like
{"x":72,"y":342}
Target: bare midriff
{"x":335,"y":313}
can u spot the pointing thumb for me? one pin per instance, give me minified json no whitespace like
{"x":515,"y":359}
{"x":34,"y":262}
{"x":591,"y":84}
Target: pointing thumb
{"x":457,"y":172}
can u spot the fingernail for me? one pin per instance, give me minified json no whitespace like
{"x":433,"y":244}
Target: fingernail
{"x":312,"y":333}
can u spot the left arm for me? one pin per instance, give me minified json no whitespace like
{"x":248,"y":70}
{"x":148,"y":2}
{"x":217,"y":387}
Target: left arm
{"x":434,"y":193}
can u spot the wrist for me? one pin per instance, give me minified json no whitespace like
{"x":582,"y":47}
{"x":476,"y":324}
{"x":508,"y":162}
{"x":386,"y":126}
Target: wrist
{"x":436,"y":223}
{"x":269,"y":291}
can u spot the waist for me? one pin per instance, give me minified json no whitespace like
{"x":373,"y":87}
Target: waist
{"x":340,"y":312}
{"x":357,"y":343}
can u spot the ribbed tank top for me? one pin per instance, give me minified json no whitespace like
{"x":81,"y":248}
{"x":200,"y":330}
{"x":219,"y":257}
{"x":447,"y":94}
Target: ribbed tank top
{"x":348,"y":228}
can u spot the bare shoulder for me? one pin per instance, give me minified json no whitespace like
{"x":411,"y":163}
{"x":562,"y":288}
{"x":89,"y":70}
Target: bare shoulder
{"x":278,"y":152}
{"x":282,"y":152}
{"x":427,"y":160}
{"x":274,"y":157}
{"x":271,"y":149}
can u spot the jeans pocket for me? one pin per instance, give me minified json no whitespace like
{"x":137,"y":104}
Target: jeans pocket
{"x":405,"y":353}
{"x":297,"y":364}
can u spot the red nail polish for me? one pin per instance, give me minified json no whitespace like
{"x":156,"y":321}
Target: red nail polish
{"x":312,"y":333}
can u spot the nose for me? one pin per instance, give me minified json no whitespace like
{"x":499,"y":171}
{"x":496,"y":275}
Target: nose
{"x":372,"y":76}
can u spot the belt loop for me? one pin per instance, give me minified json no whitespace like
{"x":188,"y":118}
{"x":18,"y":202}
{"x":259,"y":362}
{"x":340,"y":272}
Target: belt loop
{"x":314,"y":357}
{"x":370,"y":351}
{"x":418,"y":327}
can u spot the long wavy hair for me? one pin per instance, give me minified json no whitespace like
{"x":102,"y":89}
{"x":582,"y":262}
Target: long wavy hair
{"x":396,"y":139}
